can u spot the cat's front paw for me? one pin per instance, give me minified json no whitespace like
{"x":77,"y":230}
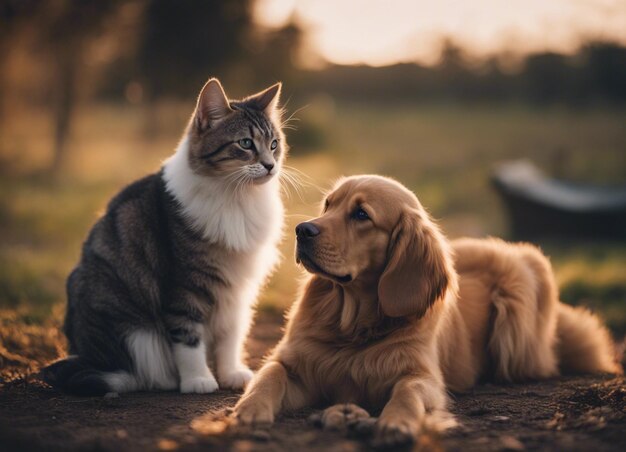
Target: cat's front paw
{"x":198,"y":385}
{"x":237,"y":378}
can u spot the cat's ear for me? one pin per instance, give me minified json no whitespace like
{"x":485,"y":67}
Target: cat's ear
{"x":267,"y":100}
{"x":212,"y":105}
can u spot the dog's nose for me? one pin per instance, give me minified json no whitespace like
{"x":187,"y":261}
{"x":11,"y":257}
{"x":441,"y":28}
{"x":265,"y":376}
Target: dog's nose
{"x":268,"y":166}
{"x":306,"y":230}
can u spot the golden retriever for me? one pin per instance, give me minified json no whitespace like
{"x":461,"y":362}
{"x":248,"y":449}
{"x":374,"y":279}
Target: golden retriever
{"x":394,"y":315}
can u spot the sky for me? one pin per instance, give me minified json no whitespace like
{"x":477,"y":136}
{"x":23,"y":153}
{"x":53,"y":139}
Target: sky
{"x":382,"y":32}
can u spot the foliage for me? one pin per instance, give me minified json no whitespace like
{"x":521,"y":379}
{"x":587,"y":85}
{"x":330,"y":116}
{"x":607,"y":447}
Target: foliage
{"x":594,"y":75}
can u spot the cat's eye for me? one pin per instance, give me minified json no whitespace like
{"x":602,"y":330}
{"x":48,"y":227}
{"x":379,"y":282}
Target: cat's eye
{"x":246,"y":143}
{"x":274,"y":145}
{"x":360,"y":214}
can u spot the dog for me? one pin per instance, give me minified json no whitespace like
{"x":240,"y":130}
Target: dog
{"x":394,"y":315}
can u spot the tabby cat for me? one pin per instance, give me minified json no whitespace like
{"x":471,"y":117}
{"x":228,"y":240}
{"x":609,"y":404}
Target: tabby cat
{"x":168,"y":277}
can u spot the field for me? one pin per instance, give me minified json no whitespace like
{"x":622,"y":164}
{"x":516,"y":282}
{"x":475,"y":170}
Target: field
{"x":444,"y":153}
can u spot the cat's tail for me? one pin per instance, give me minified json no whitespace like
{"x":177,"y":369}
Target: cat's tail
{"x":584,"y":344}
{"x":74,"y":376}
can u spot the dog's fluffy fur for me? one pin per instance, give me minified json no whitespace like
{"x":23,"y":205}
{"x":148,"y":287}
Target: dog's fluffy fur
{"x":394,"y":315}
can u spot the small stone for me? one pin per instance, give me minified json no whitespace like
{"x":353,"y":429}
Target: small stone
{"x":511,"y":443}
{"x":261,"y":435}
{"x":167,"y":444}
{"x":315,"y":420}
{"x":556,"y":422}
{"x":500,"y":418}
{"x":478,"y":411}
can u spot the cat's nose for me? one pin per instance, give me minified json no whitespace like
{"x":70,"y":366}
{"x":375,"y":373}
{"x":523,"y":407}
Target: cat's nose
{"x":268,"y":166}
{"x":306,"y":230}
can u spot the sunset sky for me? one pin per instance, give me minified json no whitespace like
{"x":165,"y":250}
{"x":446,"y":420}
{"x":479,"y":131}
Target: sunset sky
{"x":380,"y":32}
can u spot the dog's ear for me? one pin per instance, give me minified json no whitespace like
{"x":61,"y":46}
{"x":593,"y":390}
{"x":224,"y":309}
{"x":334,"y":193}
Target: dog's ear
{"x":418,"y":269}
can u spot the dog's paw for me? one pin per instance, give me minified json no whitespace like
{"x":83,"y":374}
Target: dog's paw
{"x":198,"y":385}
{"x":340,"y":416}
{"x":394,"y":432}
{"x":253,"y":413}
{"x":439,"y":421}
{"x":236,"y":379}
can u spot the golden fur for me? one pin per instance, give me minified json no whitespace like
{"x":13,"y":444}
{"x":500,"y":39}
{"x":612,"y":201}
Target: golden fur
{"x":394,"y":315}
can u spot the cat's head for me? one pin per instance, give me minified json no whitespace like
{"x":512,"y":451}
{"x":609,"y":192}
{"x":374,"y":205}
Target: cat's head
{"x":238,"y":139}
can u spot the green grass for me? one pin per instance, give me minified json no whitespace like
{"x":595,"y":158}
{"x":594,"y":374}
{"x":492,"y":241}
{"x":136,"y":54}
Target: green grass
{"x":443,"y":153}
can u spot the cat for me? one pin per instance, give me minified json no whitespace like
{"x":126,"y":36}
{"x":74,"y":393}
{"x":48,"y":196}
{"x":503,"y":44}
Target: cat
{"x":168,"y":277}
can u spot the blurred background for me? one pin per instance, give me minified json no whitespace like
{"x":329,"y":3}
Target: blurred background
{"x":94,"y":94}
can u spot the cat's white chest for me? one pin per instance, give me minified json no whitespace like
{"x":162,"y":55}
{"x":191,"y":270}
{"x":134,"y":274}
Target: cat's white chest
{"x":243,"y":221}
{"x":246,"y":223}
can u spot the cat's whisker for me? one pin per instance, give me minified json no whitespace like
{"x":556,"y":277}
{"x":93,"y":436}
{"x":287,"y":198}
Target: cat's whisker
{"x":302,"y":178}
{"x":295,"y":180}
{"x":238,"y":182}
{"x":243,"y":181}
{"x":291,"y":180}
{"x":285,"y":184}
{"x":302,"y":182}
{"x":285,"y":188}
{"x":233,"y":177}
{"x":298,"y":190}
{"x":296,"y":170}
{"x":288,"y":127}
{"x":283,"y":109}
{"x":288,"y":122}
{"x":233,"y":181}
{"x":292,"y":117}
{"x":298,"y":110}
{"x":296,"y":183}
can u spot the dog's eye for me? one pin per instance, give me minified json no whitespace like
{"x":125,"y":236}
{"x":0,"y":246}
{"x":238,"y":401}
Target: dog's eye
{"x":360,"y":214}
{"x":245,"y":143}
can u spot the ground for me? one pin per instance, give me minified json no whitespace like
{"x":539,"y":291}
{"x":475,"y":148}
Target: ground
{"x":570,"y":413}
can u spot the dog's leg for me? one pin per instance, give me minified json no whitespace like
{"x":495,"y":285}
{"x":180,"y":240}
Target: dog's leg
{"x":270,"y":391}
{"x":415,"y":402}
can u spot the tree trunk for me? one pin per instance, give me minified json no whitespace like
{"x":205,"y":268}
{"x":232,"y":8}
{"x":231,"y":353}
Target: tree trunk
{"x":65,"y":101}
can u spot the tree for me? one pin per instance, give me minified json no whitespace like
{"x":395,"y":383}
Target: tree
{"x":63,"y":29}
{"x":185,"y":41}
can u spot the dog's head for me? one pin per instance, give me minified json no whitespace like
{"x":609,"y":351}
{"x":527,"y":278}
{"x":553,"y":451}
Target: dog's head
{"x":373,"y":232}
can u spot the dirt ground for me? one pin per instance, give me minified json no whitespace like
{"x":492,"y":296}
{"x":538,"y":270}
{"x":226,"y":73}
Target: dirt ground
{"x":574,"y":413}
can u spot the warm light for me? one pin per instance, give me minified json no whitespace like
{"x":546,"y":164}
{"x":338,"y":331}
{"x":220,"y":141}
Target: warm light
{"x":380,"y":32}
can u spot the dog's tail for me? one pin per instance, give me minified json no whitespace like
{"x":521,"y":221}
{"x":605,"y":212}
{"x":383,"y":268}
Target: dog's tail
{"x":74,"y":376}
{"x":584,"y":343}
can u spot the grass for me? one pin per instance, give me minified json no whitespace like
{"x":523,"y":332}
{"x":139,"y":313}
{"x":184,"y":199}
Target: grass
{"x":443,"y":153}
